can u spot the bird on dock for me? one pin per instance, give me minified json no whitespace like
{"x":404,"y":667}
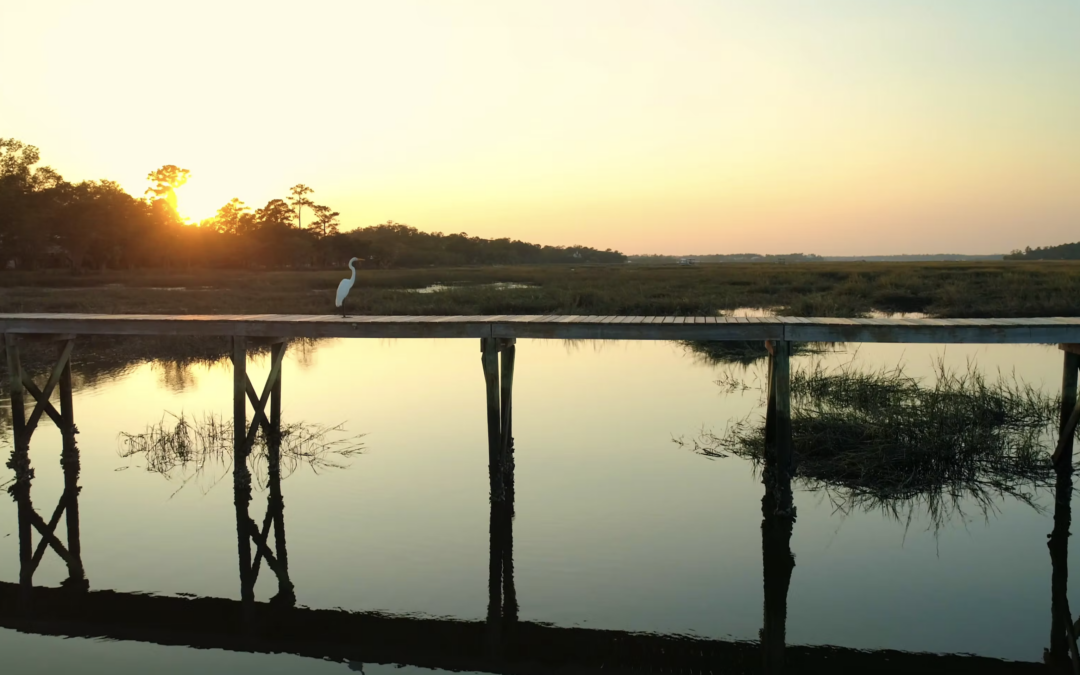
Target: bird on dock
{"x":345,"y":286}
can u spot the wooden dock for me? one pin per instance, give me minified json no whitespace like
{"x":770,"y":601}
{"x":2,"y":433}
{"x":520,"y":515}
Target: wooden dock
{"x":1053,"y":330}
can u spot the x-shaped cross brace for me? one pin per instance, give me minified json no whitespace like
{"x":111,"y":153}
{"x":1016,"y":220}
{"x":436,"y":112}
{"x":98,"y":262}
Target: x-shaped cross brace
{"x":23,"y":429}
{"x":247,"y":530}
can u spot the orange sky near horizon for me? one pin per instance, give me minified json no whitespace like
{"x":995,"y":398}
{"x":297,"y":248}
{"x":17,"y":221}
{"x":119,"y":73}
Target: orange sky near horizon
{"x":838,"y":127}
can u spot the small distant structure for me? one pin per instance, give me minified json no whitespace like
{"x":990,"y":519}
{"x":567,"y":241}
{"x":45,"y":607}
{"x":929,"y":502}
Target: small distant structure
{"x":687,"y":261}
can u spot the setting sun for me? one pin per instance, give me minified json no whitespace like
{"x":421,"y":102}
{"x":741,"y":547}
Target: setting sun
{"x":196,"y":202}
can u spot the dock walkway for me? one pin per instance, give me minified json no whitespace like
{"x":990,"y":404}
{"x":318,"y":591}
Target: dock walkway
{"x":781,"y":328}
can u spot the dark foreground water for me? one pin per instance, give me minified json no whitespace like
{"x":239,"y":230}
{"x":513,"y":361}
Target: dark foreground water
{"x":622,"y":545}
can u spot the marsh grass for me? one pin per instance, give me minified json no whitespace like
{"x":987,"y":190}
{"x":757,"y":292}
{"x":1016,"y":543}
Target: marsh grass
{"x":884,"y":441}
{"x":188,"y":450}
{"x":977,"y":289}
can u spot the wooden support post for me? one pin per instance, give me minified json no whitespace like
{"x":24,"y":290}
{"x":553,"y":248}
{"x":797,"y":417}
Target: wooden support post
{"x":69,"y":461}
{"x":782,"y":389}
{"x":490,"y":359}
{"x":770,"y":403}
{"x":778,"y":441}
{"x":276,"y":502}
{"x":20,"y":464}
{"x":241,"y":474}
{"x":1070,"y":410}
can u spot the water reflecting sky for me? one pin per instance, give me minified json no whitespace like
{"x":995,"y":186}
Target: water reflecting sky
{"x":616,"y":526}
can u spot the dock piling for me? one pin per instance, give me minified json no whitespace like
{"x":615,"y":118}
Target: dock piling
{"x":248,"y":531}
{"x":1070,"y":409}
{"x":778,"y":441}
{"x":507,"y":353}
{"x":69,"y":461}
{"x":23,"y":428}
{"x":489,"y":356}
{"x":241,"y":474}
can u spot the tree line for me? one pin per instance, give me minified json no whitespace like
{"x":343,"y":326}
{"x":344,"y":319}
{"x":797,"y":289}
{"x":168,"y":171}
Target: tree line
{"x":46,"y":221}
{"x":1059,"y":252}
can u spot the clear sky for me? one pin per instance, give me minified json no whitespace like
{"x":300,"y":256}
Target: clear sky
{"x":826,"y":126}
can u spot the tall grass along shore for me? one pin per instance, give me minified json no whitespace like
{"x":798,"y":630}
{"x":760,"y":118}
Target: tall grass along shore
{"x":971,"y":290}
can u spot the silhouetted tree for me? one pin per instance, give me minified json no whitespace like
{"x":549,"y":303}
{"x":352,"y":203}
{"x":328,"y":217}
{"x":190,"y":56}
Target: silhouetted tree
{"x":298,"y":200}
{"x":233,"y":218}
{"x":326,"y":220}
{"x":27,"y":198}
{"x":276,"y":214}
{"x":165,"y":181}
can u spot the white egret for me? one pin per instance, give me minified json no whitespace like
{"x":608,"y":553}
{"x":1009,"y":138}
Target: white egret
{"x":345,"y":286}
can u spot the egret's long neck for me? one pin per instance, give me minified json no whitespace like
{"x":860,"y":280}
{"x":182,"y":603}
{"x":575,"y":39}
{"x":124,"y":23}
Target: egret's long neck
{"x":353,"y":277}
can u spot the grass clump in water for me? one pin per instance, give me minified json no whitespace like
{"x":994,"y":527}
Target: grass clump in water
{"x":883,"y":441}
{"x":184,"y":449}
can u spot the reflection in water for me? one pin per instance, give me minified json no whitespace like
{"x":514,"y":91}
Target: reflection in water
{"x":502,"y":643}
{"x":745,"y":352}
{"x":175,"y":358}
{"x":185,"y":450}
{"x":1062,"y":629}
{"x":778,"y":562}
{"x":881,"y":441}
{"x":106,"y":358}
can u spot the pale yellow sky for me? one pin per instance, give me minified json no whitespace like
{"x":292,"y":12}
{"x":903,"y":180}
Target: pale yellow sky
{"x":833,"y":126}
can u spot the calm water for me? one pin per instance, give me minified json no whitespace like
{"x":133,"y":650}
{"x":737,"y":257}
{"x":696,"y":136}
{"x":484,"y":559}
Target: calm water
{"x":616,"y":526}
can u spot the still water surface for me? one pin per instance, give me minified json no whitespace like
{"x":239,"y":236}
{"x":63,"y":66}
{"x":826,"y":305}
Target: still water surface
{"x":616,"y":526}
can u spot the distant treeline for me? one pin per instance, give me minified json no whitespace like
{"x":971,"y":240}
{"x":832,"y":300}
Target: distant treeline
{"x":726,"y":257}
{"x":809,"y":257}
{"x":1059,"y":252}
{"x":46,"y":221}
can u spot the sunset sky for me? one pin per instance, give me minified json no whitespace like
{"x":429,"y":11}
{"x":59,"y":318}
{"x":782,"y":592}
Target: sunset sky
{"x":713,"y":126}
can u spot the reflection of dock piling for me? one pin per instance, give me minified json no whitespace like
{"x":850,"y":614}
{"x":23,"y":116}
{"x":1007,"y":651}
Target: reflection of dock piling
{"x":1063,"y":631}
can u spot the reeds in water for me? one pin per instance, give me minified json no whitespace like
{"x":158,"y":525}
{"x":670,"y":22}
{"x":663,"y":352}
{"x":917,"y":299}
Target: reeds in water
{"x":883,"y":440}
{"x":201,"y":450}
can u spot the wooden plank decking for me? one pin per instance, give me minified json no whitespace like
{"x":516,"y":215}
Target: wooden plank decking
{"x":794,"y":329}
